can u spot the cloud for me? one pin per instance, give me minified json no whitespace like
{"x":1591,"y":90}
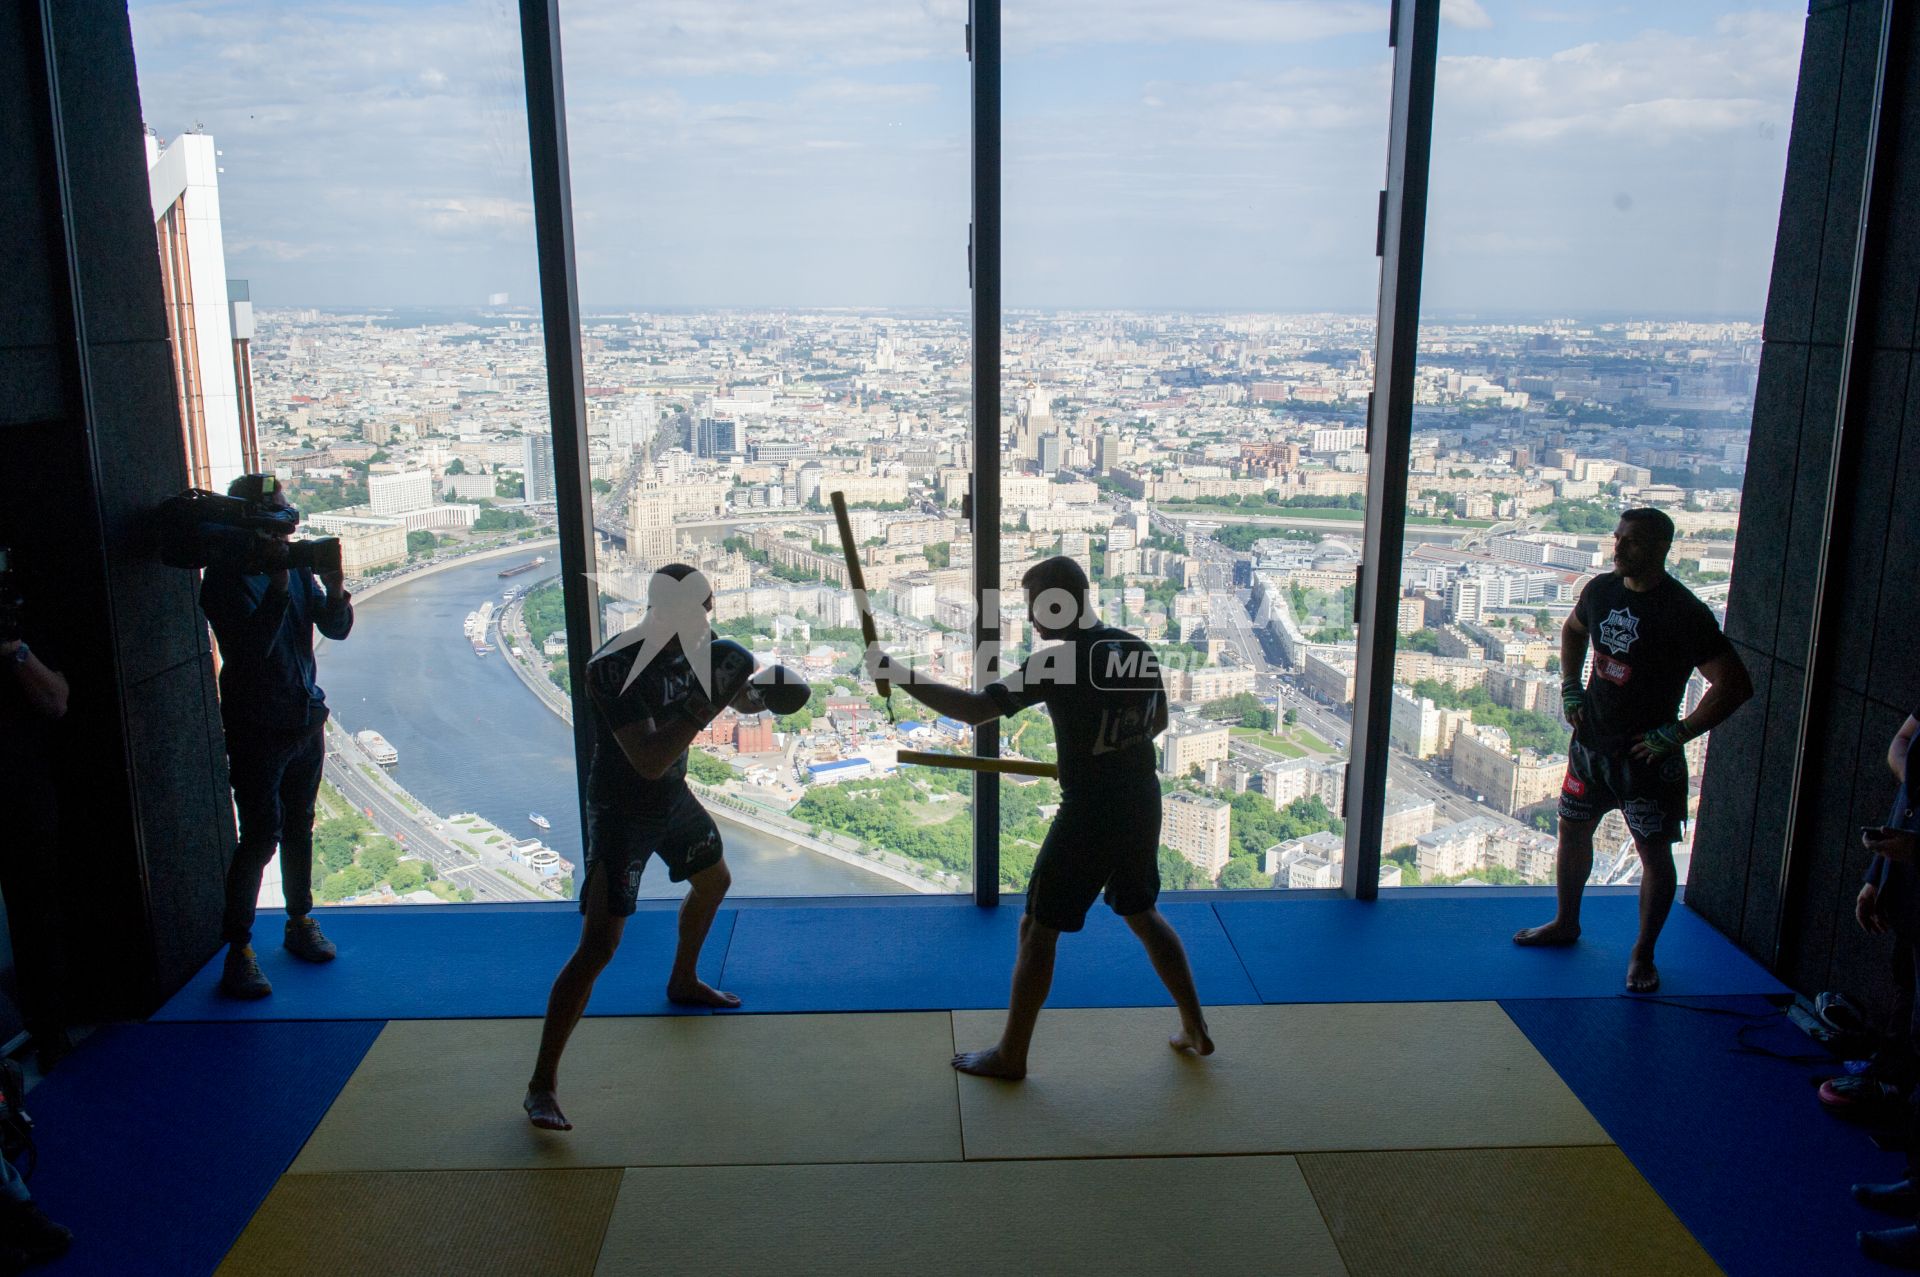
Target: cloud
{"x":477,"y":213}
{"x":1466,"y":14}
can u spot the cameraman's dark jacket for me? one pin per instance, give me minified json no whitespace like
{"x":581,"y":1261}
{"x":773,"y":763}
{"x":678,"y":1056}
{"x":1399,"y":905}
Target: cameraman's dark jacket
{"x":1899,"y":882}
{"x":266,"y":648}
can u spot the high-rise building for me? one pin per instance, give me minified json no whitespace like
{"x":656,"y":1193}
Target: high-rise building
{"x":209,"y":318}
{"x":1050,"y":453}
{"x":1199,"y":828}
{"x":399,"y":493}
{"x":538,"y":468}
{"x":650,"y":523}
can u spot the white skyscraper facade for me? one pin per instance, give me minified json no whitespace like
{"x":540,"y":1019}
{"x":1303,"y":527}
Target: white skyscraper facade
{"x":209,"y":323}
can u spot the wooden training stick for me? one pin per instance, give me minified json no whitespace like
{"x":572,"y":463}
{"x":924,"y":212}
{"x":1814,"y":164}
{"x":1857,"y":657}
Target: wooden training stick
{"x":858,"y":580}
{"x":968,"y":763}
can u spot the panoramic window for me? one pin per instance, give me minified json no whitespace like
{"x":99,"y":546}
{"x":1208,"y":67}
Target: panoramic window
{"x":770,"y":209}
{"x":1190,"y":287}
{"x":1605,"y":188}
{"x":342,"y":194}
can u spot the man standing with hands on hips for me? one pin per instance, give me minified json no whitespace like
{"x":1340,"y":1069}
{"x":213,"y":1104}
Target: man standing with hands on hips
{"x":275,"y":717}
{"x":1649,"y":634}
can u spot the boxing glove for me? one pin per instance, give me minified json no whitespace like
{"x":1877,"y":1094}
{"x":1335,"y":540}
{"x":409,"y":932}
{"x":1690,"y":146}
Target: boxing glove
{"x":780,"y":690}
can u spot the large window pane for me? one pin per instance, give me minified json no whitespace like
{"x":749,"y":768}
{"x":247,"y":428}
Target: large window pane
{"x":771,"y":208}
{"x":1190,"y":280}
{"x":1605,"y":192}
{"x":366,"y":169}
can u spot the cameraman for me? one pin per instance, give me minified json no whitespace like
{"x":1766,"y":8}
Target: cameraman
{"x":275,"y":716}
{"x":33,"y":695}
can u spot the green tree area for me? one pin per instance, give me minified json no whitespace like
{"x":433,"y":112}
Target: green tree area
{"x":707,"y":769}
{"x":1272,"y":498}
{"x":544,"y":613}
{"x":1527,"y":729}
{"x":601,"y":487}
{"x":316,"y":495}
{"x":1254,"y":824}
{"x":940,"y":554}
{"x":785,"y":573}
{"x":1243,"y":536}
{"x":1242,"y":873}
{"x":1181,"y":655}
{"x":901,"y":815}
{"x":492,"y":520}
{"x":456,"y":466}
{"x":1177,"y":873}
{"x":1420,"y":641}
{"x":740,"y":545}
{"x":354,"y":859}
{"x":1590,"y":518}
{"x":1408,"y":858}
{"x":1242,"y":707}
{"x":508,"y":486}
{"x":1688,"y":574}
{"x":422,"y":543}
{"x":1031,"y":735}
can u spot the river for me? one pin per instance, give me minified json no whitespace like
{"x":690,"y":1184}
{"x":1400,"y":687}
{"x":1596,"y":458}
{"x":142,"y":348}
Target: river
{"x":471,"y":737}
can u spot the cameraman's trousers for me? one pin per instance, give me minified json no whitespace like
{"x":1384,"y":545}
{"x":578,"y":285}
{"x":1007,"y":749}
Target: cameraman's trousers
{"x":275,"y":782}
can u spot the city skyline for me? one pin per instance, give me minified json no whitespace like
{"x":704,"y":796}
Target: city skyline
{"x":1584,"y":162}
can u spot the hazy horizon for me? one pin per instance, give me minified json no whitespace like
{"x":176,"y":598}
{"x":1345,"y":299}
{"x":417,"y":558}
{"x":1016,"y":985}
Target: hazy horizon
{"x":788,"y":155}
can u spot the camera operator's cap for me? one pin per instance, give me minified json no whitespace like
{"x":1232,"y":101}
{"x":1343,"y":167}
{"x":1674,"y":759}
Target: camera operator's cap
{"x":253,"y":487}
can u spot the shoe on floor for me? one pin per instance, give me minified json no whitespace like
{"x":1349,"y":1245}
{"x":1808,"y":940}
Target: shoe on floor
{"x":1902,"y":1198}
{"x":1861,"y":1095}
{"x":25,"y":1227}
{"x":242,"y":978}
{"x":305,"y":942}
{"x":1897,"y":1246}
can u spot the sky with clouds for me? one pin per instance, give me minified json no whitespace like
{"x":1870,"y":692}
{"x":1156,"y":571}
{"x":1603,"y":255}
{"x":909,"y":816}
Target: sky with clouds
{"x":1589,"y":157}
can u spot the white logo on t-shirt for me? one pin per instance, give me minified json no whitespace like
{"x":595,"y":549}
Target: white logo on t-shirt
{"x":1619,"y":630}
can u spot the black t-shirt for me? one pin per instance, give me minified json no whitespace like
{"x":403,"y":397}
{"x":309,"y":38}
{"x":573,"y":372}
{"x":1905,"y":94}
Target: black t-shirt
{"x":1646,"y":644}
{"x":612,"y":779}
{"x":1104,"y":691}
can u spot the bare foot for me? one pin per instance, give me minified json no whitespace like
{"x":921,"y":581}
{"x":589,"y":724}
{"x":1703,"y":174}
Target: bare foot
{"x":1187,"y":1042}
{"x":989,"y":1063}
{"x":699,"y":993}
{"x":1642,"y":975}
{"x":543,"y":1110}
{"x":1552,"y":935}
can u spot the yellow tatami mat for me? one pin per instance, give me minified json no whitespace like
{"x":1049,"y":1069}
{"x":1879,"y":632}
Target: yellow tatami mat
{"x":1501,"y":1210}
{"x":650,"y":1091}
{"x":1222,"y":1216}
{"x":1286,"y":1079}
{"x":475,"y":1223}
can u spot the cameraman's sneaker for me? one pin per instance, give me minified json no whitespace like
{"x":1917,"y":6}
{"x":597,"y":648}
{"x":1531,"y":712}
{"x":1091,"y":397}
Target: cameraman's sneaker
{"x":1862,"y":1097}
{"x":24,"y":1227}
{"x":242,"y":978}
{"x":305,"y":942}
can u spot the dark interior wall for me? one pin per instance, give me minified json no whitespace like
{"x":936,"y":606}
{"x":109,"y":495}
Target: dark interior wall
{"x":1870,"y":676}
{"x":89,"y":443}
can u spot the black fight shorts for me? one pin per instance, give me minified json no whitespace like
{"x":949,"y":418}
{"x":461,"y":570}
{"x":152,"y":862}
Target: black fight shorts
{"x":1652,"y":796}
{"x":1095,"y":844}
{"x":681,"y":833}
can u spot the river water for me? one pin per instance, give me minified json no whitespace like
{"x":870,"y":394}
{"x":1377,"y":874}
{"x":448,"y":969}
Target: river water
{"x":472,"y":737}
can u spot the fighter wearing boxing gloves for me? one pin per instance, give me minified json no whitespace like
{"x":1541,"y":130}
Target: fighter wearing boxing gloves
{"x":651,"y":698}
{"x":1649,"y":634}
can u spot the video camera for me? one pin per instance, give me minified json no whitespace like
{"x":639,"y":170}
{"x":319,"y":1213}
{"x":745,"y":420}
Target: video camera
{"x":244,"y":531}
{"x":13,"y":604}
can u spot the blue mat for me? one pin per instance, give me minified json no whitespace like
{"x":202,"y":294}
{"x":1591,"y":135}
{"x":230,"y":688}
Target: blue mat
{"x":450,"y":964}
{"x":159,"y":1141}
{"x":1734,"y":1142}
{"x":1460,"y":949}
{"x":957,"y":958}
